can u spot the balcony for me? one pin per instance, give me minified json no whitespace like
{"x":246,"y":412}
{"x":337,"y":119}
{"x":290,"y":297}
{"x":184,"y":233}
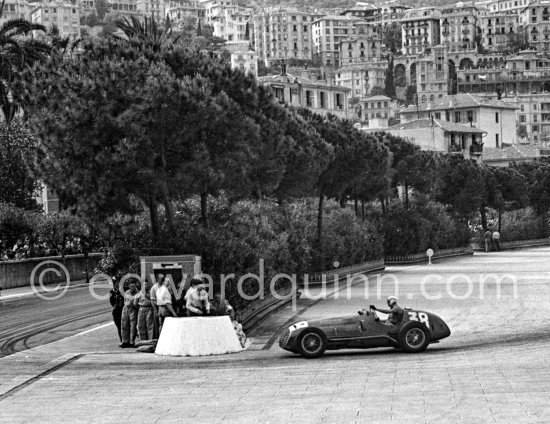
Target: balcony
{"x":476,"y":149}
{"x":455,"y":148}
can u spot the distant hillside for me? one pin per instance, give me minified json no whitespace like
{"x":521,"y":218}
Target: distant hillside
{"x":331,"y":4}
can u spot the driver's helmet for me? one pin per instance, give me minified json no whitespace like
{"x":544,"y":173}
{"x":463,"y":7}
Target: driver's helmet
{"x":392,"y":300}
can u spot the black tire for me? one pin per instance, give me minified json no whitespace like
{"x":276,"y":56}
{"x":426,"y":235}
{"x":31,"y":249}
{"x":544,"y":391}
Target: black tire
{"x":414,"y":337}
{"x":312,"y":343}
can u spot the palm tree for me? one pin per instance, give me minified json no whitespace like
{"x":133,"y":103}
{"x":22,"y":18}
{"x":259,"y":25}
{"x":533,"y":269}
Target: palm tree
{"x":145,"y":33}
{"x":18,"y":49}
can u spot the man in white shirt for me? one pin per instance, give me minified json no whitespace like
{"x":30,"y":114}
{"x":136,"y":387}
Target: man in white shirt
{"x":196,"y":299}
{"x":154,"y":290}
{"x":164,"y":303}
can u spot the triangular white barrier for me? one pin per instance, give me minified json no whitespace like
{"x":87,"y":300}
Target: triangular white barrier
{"x":197,"y":336}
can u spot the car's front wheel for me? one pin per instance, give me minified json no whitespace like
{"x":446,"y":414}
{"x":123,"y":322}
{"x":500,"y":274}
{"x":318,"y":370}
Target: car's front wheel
{"x":312,"y":343}
{"x":414,"y":337}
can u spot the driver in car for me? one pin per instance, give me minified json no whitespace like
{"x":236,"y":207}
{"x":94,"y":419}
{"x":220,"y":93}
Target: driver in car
{"x":395,"y":312}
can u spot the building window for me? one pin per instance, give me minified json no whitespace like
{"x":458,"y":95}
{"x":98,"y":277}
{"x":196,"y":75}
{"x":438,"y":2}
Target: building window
{"x":447,"y":116}
{"x":309,"y":98}
{"x":496,"y":117}
{"x":323,"y":99}
{"x":438,"y":115}
{"x":457,"y":116}
{"x":521,"y":118}
{"x":338,"y":101}
{"x":470,"y":116}
{"x":497,"y":141}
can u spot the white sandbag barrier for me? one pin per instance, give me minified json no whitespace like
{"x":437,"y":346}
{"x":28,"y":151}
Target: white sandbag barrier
{"x":197,"y":336}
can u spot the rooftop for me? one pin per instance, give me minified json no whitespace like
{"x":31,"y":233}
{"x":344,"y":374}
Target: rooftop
{"x":512,"y":153}
{"x":458,"y":101}
{"x":291,"y":79}
{"x":445,"y":126}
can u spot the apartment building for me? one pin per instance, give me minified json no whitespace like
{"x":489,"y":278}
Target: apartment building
{"x":327,"y":34}
{"x":152,"y":8}
{"x":496,"y":29}
{"x":180,"y":11}
{"x":432,"y":74}
{"x":359,"y":49}
{"x":230,"y":22}
{"x":87,"y":7}
{"x":459,"y":26}
{"x":363,"y":11}
{"x":362,"y":78}
{"x":283,"y":33}
{"x":16,"y":9}
{"x":318,"y":96}
{"x":535,"y":19}
{"x":246,"y":60}
{"x":421,"y":29}
{"x":377,"y":111}
{"x":64,"y":14}
{"x":532,"y":116}
{"x":499,"y":6}
{"x":442,"y":136}
{"x":122,"y":7}
{"x":496,"y":117}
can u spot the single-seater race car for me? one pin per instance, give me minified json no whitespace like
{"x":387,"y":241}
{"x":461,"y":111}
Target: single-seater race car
{"x":415,"y":332}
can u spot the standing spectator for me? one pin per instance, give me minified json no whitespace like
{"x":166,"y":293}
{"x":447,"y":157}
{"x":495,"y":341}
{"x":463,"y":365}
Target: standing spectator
{"x":496,"y":240}
{"x":117,"y":302}
{"x":145,"y":319}
{"x":153,"y":294}
{"x":129,"y":316}
{"x":196,"y":298}
{"x":487,"y":238}
{"x":164,"y":302}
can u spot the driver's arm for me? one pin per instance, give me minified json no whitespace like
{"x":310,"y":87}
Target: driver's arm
{"x":384,"y":311}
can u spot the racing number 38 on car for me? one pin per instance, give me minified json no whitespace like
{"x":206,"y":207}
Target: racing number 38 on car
{"x":413,"y":334}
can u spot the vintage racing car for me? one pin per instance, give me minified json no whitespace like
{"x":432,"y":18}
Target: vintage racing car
{"x":415,"y":332}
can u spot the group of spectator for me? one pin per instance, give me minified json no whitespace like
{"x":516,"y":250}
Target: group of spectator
{"x":492,"y":240}
{"x":139,"y":312}
{"x":24,"y":249}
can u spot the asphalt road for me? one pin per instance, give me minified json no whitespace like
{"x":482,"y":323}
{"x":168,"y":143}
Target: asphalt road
{"x":31,"y":321}
{"x":493,"y":368}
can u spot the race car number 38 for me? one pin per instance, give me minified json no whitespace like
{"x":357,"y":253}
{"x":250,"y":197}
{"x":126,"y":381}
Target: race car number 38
{"x":420,"y":317}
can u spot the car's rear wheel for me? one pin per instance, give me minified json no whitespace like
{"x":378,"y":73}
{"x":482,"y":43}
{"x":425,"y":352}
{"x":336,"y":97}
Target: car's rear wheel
{"x":312,"y":343}
{"x":414,"y":337}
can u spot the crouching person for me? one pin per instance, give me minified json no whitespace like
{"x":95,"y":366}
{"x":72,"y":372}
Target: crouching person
{"x":146,"y":316}
{"x":222,"y":307}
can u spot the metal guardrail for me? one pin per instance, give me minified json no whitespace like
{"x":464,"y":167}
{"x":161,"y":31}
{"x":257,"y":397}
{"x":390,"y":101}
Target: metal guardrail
{"x":516,"y":244}
{"x":423,"y":257}
{"x":264,"y":308}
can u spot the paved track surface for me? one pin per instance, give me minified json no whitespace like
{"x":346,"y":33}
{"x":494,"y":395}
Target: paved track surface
{"x":31,"y":321}
{"x":493,"y":369}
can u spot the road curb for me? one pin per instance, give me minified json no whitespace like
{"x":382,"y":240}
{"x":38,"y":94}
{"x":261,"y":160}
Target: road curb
{"x":33,"y":293}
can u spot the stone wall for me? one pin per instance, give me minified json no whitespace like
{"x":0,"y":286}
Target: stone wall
{"x":18,"y":273}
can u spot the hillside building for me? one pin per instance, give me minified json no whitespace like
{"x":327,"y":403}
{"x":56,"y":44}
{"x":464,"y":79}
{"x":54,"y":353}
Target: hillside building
{"x":495,"y":117}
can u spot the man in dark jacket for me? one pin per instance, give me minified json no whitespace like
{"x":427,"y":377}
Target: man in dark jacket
{"x":117,"y":302}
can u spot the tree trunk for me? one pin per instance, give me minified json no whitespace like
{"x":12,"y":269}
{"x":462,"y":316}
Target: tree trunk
{"x":483,"y":217}
{"x":343,"y":202}
{"x":204,"y":209}
{"x":406,"y":187}
{"x":356,"y":206}
{"x":154,"y":216}
{"x":384,"y":211}
{"x":167,"y":205}
{"x":363,"y":209}
{"x":499,"y":219}
{"x":320,"y":228}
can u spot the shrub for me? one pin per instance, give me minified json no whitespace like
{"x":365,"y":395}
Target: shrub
{"x":422,"y":226}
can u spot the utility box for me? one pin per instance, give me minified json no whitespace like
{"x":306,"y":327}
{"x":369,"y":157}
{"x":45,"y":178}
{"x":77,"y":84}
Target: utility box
{"x":180,"y":268}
